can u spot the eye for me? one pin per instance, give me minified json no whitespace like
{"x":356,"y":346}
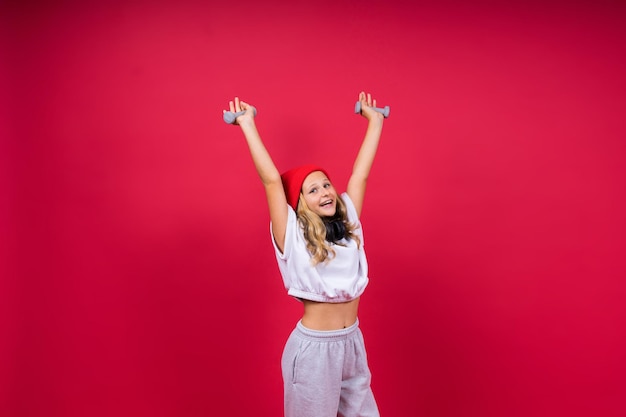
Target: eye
{"x":327,"y":185}
{"x":313,"y":190}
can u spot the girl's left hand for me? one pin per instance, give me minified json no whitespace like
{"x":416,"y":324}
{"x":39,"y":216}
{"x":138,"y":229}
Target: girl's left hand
{"x":367,"y":107}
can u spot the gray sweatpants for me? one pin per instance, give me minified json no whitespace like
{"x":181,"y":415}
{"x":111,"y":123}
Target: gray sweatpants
{"x":325,"y":374}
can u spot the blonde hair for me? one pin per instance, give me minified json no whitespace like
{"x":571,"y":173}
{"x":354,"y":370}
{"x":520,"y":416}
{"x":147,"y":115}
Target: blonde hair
{"x":315,"y":231}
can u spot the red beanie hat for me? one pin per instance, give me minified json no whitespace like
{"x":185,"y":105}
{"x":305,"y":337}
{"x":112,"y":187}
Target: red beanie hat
{"x":293,"y":179}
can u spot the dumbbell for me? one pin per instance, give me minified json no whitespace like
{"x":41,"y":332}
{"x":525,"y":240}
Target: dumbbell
{"x":229,"y":116}
{"x":384,"y":111}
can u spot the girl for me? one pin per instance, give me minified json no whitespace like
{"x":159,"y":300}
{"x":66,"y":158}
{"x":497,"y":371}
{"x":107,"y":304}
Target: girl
{"x":319,"y":248}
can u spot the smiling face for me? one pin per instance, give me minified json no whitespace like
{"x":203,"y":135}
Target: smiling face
{"x":319,"y":194}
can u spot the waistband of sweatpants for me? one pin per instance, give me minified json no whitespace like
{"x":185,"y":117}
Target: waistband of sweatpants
{"x":327,"y":335}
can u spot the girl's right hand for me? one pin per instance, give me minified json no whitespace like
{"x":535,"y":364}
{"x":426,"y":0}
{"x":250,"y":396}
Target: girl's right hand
{"x":237,"y":106}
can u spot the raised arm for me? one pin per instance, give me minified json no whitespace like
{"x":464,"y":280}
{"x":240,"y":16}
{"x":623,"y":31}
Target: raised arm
{"x":367,"y":152}
{"x":270,"y":177}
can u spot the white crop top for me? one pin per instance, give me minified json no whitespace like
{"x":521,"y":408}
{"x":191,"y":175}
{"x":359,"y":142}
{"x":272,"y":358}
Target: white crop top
{"x":342,"y":278}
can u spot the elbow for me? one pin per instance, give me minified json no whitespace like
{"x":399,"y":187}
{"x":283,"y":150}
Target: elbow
{"x":360,"y":176}
{"x":357,"y":182}
{"x":272,"y":179}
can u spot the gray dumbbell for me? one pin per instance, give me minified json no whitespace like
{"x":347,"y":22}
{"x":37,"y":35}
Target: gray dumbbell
{"x":384,"y":111}
{"x":229,"y":116}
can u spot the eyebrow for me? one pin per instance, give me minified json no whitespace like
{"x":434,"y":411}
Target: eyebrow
{"x":323,"y":180}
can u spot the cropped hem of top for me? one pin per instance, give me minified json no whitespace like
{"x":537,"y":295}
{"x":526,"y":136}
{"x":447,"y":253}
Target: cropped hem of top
{"x":342,"y":278}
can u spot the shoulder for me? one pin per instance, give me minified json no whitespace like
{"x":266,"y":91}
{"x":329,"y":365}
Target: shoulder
{"x":352,"y":214}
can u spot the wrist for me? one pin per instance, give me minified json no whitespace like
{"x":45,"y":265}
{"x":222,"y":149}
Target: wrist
{"x":246,"y":122}
{"x":376,"y":121}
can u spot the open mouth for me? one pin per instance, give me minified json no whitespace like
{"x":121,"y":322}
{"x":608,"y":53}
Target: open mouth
{"x":326,"y":203}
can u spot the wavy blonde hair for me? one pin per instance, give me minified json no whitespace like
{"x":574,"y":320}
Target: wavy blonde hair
{"x":315,"y":231}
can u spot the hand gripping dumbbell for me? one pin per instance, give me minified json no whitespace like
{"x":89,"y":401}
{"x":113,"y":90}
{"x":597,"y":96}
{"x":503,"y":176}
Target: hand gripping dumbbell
{"x":229,"y":116}
{"x":384,"y":111}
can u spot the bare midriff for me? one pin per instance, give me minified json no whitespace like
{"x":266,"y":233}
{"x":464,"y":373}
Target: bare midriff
{"x":329,"y":316}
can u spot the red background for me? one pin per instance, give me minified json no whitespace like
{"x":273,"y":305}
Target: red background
{"x":138,"y":276}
